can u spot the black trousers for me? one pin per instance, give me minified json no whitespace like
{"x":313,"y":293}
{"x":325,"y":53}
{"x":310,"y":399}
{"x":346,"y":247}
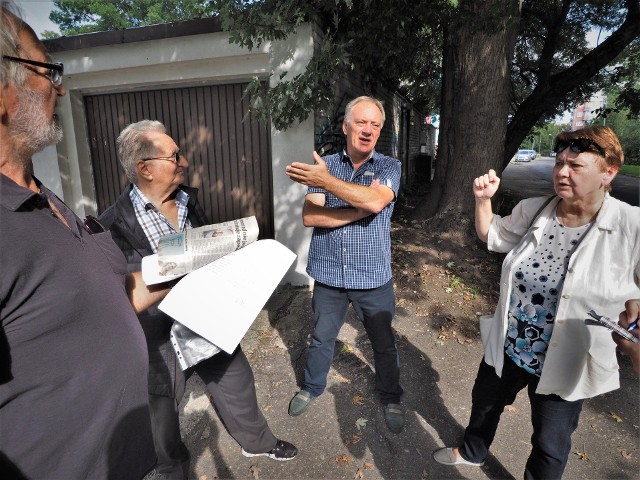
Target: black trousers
{"x":553,"y":420}
{"x":229,"y":380}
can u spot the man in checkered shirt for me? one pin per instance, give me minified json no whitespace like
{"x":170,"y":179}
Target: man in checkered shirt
{"x":349,"y":203}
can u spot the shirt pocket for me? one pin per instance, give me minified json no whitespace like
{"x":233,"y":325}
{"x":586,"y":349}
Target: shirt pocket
{"x":111,"y":252}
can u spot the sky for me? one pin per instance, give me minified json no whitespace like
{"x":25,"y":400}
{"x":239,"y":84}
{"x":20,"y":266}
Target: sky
{"x":36,"y":14}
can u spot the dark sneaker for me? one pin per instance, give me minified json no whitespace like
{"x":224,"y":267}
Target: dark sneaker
{"x":394,"y":417}
{"x":283,"y":451}
{"x":300,"y":402}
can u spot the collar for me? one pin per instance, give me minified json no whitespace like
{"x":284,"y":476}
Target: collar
{"x":344,"y":156}
{"x":137,"y":197}
{"x":13,"y":196}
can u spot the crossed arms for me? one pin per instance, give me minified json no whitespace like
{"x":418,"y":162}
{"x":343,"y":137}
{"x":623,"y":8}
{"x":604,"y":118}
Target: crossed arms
{"x":365,"y":200}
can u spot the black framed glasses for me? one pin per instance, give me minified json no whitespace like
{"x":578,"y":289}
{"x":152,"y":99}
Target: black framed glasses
{"x":92,"y":225}
{"x":54,"y":70}
{"x":175,"y":158}
{"x":578,"y":145}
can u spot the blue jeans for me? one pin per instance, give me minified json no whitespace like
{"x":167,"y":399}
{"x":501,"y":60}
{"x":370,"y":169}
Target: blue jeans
{"x":375,"y":307}
{"x":553,"y":420}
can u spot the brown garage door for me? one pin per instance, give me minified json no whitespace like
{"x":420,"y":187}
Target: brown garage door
{"x":229,"y":152}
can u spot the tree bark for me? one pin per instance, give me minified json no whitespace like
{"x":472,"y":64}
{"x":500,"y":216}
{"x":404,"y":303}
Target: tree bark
{"x":478,"y":52}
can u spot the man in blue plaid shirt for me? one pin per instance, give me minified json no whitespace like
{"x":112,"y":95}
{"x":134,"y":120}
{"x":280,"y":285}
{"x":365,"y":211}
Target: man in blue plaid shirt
{"x":349,"y":203}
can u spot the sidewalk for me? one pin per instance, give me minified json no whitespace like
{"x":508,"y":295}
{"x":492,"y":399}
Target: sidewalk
{"x":437,"y":377}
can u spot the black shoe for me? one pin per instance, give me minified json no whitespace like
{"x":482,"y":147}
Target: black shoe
{"x":283,"y":451}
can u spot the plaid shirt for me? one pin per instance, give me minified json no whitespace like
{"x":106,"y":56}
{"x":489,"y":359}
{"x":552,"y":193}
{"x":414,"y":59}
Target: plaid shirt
{"x":357,"y":255}
{"x":153,"y":223}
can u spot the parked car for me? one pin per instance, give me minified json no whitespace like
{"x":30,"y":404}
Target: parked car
{"x":533,"y":154}
{"x":523,"y":156}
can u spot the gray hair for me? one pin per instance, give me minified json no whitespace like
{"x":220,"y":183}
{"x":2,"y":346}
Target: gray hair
{"x":134,"y":144}
{"x":11,"y":24}
{"x":364,"y":98}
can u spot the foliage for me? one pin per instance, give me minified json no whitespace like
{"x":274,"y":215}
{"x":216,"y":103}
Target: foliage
{"x":84,"y":16}
{"x":404,"y":54}
{"x":352,"y":33}
{"x":633,"y":170}
{"x":627,"y":129}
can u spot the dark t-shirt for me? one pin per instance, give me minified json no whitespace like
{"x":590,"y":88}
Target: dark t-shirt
{"x":73,"y":358}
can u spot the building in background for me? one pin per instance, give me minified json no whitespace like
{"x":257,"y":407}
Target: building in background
{"x":585,"y":113}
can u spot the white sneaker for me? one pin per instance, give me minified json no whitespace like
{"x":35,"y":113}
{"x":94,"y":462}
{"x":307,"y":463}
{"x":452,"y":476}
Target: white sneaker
{"x":446,"y":456}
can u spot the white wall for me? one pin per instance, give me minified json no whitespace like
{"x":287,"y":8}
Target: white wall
{"x":184,"y":61}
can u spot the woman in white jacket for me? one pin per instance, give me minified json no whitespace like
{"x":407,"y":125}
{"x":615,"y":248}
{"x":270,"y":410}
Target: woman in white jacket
{"x":568,"y":254}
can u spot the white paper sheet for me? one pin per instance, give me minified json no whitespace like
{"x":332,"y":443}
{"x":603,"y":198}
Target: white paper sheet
{"x":221,"y":300}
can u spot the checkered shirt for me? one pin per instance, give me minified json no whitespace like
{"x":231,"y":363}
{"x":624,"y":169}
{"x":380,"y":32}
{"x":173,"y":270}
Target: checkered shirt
{"x":153,"y":223}
{"x":357,"y":255}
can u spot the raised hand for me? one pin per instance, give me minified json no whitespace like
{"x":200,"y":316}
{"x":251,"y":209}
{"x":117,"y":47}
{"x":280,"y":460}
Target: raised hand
{"x":485,"y":186}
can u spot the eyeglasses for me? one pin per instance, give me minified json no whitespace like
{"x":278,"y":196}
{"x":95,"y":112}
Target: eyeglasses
{"x":54,"y":70}
{"x":578,"y":145}
{"x":93,"y":226}
{"x":175,"y":158}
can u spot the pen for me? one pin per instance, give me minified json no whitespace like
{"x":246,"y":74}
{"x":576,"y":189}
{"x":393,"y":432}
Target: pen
{"x":633,"y":326}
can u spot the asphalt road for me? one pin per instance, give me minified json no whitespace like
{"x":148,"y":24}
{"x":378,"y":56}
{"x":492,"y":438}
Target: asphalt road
{"x":528,"y":179}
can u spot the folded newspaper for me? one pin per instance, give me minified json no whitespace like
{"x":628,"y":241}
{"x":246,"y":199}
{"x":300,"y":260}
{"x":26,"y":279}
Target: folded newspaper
{"x":181,"y":253}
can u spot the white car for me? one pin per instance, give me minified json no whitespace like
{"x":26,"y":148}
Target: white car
{"x":523,"y":156}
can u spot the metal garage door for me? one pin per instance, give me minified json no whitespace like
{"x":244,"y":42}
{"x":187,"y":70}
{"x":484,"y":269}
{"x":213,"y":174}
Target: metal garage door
{"x":229,"y":155}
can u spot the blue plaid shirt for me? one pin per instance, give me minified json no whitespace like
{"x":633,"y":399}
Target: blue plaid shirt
{"x":153,"y":223}
{"x":357,"y":255}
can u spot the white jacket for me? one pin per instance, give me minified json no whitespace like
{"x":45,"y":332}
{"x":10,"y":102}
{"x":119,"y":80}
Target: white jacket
{"x":603,"y":272}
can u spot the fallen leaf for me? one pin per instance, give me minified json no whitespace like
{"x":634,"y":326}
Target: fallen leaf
{"x":511,"y":408}
{"x":367,"y":466}
{"x":358,"y":474}
{"x":347,"y":348}
{"x":582,"y":455}
{"x":424,"y":475}
{"x":357,"y":400}
{"x":255,"y":472}
{"x":626,"y":455}
{"x":418,"y":450}
{"x":343,"y":459}
{"x":361,"y":423}
{"x":355,"y":438}
{"x":616,"y":417}
{"x":202,"y":477}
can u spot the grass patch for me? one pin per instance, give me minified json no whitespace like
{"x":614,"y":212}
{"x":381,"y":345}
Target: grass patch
{"x":633,"y":170}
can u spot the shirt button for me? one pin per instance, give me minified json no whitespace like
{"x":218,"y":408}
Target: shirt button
{"x":570,"y":270}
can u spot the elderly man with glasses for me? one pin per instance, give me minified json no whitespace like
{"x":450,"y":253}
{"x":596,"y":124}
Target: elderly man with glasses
{"x":73,"y":368}
{"x":154,"y":204}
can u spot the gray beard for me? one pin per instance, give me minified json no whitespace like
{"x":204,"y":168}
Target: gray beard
{"x":30,"y":124}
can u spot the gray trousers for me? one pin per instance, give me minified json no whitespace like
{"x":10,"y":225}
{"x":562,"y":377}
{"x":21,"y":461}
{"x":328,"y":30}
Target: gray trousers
{"x":229,"y":380}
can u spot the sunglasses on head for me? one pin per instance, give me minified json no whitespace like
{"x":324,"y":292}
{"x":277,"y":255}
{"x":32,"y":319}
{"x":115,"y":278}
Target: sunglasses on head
{"x":578,"y":145}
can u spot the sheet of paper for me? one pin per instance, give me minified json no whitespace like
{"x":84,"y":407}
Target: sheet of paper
{"x":221,"y":300}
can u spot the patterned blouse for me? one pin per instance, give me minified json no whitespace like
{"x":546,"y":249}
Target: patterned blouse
{"x":537,"y":282}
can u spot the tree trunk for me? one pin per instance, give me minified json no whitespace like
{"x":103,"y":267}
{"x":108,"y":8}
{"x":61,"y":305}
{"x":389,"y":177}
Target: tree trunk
{"x":478,"y":52}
